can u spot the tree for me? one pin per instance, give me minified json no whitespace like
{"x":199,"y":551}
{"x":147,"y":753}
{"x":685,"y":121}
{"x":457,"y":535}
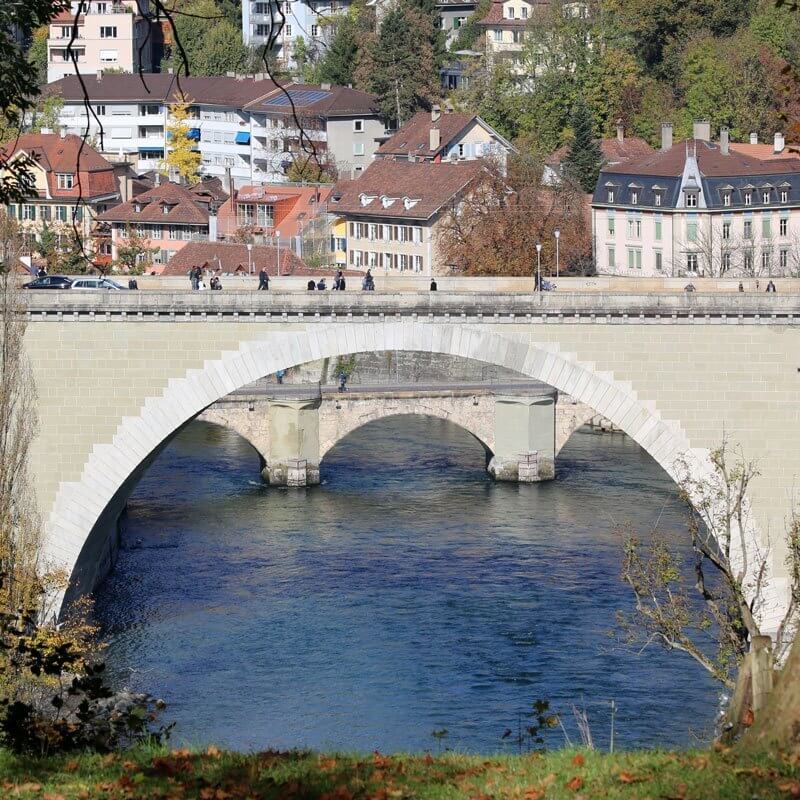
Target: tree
{"x":182,"y":156}
{"x":37,"y":54}
{"x":134,"y":253}
{"x":339,"y":62}
{"x":495,"y":227}
{"x":731,"y":574}
{"x":19,"y":84}
{"x":47,"y":113}
{"x":399,"y":65}
{"x":311,"y":169}
{"x":48,"y":247}
{"x":471,"y":31}
{"x":222,"y":51}
{"x":584,"y":158}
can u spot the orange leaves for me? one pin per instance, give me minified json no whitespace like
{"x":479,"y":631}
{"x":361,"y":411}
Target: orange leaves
{"x":792,"y":788}
{"x":576,"y":783}
{"x":578,"y":760}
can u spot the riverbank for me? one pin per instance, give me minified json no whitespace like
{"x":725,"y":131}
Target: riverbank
{"x":219,"y":775}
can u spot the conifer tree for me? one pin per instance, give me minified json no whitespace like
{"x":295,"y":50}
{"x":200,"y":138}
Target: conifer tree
{"x":584,"y":158}
{"x":181,"y":155}
{"x":338,"y":65}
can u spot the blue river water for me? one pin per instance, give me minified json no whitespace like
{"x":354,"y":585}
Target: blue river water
{"x":408,"y":593}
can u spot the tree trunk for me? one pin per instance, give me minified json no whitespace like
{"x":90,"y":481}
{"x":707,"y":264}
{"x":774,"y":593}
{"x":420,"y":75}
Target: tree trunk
{"x":777,"y":725}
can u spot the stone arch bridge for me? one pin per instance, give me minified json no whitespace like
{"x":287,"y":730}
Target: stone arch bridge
{"x":520,"y":426}
{"x":118,"y":374}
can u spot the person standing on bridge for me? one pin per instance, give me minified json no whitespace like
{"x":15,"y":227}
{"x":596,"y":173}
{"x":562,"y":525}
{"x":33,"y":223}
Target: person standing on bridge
{"x":194,"y":278}
{"x":263,"y":279}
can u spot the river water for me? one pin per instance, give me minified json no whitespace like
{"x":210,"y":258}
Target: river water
{"x":408,"y":593}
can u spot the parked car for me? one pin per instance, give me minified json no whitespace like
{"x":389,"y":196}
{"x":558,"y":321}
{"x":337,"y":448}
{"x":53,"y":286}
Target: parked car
{"x":97,"y":284}
{"x":49,"y":282}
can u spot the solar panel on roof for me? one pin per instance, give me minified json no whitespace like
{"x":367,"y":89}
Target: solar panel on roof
{"x":300,"y":97}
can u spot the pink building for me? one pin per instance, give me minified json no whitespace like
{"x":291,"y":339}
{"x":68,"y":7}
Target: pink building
{"x":701,"y":208}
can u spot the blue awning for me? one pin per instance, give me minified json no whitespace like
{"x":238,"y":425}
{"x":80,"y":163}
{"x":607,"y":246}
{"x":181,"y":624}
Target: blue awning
{"x":194,"y":133}
{"x":242,"y":138}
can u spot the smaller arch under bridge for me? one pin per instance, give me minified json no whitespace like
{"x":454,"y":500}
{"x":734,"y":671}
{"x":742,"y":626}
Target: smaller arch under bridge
{"x":520,"y":425}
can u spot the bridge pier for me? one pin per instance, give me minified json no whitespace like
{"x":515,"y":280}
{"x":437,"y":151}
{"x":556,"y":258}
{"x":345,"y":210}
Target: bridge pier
{"x":525,"y":438}
{"x":293,"y":458}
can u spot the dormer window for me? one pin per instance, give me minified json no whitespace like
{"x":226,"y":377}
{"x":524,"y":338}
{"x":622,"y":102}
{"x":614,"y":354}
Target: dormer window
{"x":409,"y":202}
{"x":366,"y":199}
{"x":610,"y":195}
{"x":726,"y":199}
{"x":634,"y":197}
{"x":784,"y":195}
{"x":765,"y":196}
{"x":657,"y":198}
{"x":137,"y":208}
{"x":387,"y":201}
{"x":510,"y":12}
{"x":691,"y":199}
{"x":165,"y":209}
{"x":748,"y":198}
{"x":66,"y":180}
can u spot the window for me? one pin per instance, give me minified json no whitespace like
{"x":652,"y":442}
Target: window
{"x":65,"y":180}
{"x":612,"y":256}
{"x":691,"y":199}
{"x":634,"y":258}
{"x":498,"y":36}
{"x":108,"y":31}
{"x":29,"y":213}
{"x":373,"y":232}
{"x":46,"y":213}
{"x":61,"y":213}
{"x":510,"y":11}
{"x":315,"y":30}
{"x":784,"y":196}
{"x":659,"y":260}
{"x":726,"y":230}
{"x":766,"y":226}
{"x":765,"y":196}
{"x":100,"y":111}
{"x":691,"y":262}
{"x":287,"y":30}
{"x":657,"y":198}
{"x":246,"y":213}
{"x":634,"y":228}
{"x":417,"y":235}
{"x":634,"y":197}
{"x":149,"y":111}
{"x":748,"y":198}
{"x":691,"y":231}
{"x":66,"y":32}
{"x":417,"y":263}
{"x":263,"y":30}
{"x":658,"y":230}
{"x":766,"y":261}
{"x":358,"y":148}
{"x":266,"y":215}
{"x":358,"y":125}
{"x":783,"y":227}
{"x":748,"y":261}
{"x":611,"y":226}
{"x":524,"y":12}
{"x":726,"y":199}
{"x":610,"y":195}
{"x":784,"y":258}
{"x":748,"y":229}
{"x":108,"y":56}
{"x":726,"y":261}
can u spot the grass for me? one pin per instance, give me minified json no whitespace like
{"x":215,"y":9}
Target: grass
{"x":142,"y":774}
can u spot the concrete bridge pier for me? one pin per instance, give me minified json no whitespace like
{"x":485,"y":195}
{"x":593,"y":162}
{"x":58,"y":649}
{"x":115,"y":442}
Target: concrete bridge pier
{"x":525,"y":438}
{"x":293,"y":458}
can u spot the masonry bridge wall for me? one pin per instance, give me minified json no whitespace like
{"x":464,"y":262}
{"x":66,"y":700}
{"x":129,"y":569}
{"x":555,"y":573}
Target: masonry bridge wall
{"x":118,"y":375}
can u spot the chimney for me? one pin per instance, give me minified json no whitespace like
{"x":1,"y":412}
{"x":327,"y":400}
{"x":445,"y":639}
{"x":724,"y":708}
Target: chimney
{"x":326,"y":87}
{"x":666,"y":136}
{"x":63,"y":132}
{"x":780,"y":143}
{"x":158,"y":178}
{"x":212,"y":222}
{"x":724,"y":141}
{"x":169,"y":70}
{"x":99,"y":75}
{"x":436,"y":112}
{"x":45,"y":130}
{"x":435,"y":139}
{"x":753,"y":138}
{"x":126,"y":187}
{"x":702,"y":130}
{"x":231,"y":189}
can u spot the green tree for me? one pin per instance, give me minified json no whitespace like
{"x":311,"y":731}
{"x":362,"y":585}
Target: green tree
{"x":338,"y":65}
{"x":182,"y":156}
{"x":47,"y":113}
{"x":471,"y":31}
{"x":37,"y":54}
{"x":399,"y":65}
{"x":191,"y":27}
{"x":584,"y":157}
{"x":222,"y":51}
{"x":134,"y":253}
{"x":48,"y":247}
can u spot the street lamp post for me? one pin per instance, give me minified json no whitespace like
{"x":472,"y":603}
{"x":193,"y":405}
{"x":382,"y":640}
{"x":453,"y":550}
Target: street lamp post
{"x":539,"y":266}
{"x":278,"y":237}
{"x":557,"y":234}
{"x":249,"y":258}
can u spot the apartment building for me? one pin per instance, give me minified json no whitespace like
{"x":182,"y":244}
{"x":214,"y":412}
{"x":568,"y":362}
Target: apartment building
{"x":167,"y":217}
{"x":700,"y":207}
{"x":436,"y":136}
{"x":73,"y":186}
{"x":308,"y":21}
{"x":245,"y":124}
{"x":100,"y":34}
{"x":393,"y":210}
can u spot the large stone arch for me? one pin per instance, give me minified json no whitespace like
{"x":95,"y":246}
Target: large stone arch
{"x":73,"y":536}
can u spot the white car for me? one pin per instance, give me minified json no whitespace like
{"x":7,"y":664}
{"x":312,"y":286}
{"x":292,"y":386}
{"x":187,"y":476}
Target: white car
{"x":97,"y":284}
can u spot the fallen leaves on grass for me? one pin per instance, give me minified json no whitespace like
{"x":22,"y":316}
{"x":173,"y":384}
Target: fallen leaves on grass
{"x":576,"y":783}
{"x":578,"y":760}
{"x":629,"y":777}
{"x":792,"y":788}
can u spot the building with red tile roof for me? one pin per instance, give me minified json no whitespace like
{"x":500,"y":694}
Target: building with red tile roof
{"x":73,"y":185}
{"x":234,"y":257}
{"x":392,"y":211}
